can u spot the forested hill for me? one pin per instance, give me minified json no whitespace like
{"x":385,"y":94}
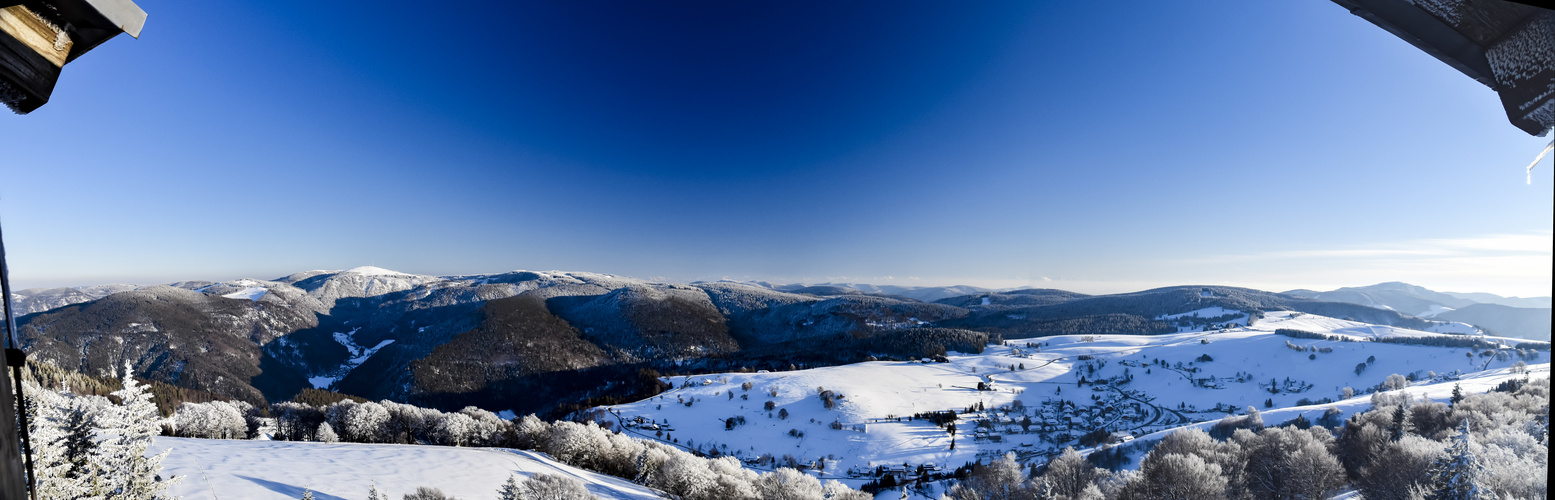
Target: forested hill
{"x":1041,"y":312}
{"x":560,"y":337}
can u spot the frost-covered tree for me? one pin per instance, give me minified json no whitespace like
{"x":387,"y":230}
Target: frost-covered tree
{"x":425,"y":493}
{"x":731,"y":479}
{"x":57,"y":474}
{"x":835,"y":490}
{"x":406,"y":422}
{"x":577,"y":444}
{"x":549,"y":487}
{"x":1001,"y":479}
{"x":788,"y":484}
{"x":1459,"y":475}
{"x":77,"y":419}
{"x":485,"y":427}
{"x":1401,"y":424}
{"x":530,"y":431}
{"x":326,"y":434}
{"x":1402,"y":467}
{"x":374,"y":494}
{"x":1395,"y":382}
{"x":128,"y":474}
{"x":454,"y":429}
{"x":685,"y":475}
{"x":213,"y":420}
{"x":366,"y":423}
{"x":1070,"y":473}
{"x":307,"y":494}
{"x":295,"y":421}
{"x":1175,"y":477}
{"x":509,"y":490}
{"x":1286,"y":462}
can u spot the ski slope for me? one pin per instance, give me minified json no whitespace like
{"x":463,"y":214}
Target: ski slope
{"x":1169,"y":385}
{"x":282,"y":470}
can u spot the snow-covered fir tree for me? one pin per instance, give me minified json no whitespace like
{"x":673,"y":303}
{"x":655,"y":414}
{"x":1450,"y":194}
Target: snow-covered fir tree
{"x":130,"y":426}
{"x":58,"y":476}
{"x":510,"y":489}
{"x":374,"y":494}
{"x":1459,"y":475}
{"x":79,"y":425}
{"x":1401,"y":424}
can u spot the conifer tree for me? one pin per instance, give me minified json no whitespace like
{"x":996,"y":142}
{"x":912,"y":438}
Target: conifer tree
{"x":1459,"y":475}
{"x":127,"y":472}
{"x":1401,"y":424}
{"x":79,"y":425}
{"x":509,"y":490}
{"x":307,"y":494}
{"x":53,"y":467}
{"x":374,"y":494}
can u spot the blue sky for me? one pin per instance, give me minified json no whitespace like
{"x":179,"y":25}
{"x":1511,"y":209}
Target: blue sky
{"x":1092,"y":146}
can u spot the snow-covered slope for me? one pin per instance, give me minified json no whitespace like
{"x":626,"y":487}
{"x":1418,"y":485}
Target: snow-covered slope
{"x":1154,"y":383}
{"x":263,"y":470}
{"x":1478,"y":382}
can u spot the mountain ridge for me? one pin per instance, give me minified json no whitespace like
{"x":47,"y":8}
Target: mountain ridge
{"x":383,"y":334}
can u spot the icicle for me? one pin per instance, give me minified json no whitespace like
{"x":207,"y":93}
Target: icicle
{"x":1541,"y":157}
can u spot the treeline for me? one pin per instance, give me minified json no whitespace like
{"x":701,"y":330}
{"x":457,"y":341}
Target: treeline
{"x":926,"y":342}
{"x":1491,"y":445}
{"x":166,"y":396}
{"x":1441,"y":341}
{"x":1455,"y":341}
{"x":1018,"y":326}
{"x":1303,"y":334}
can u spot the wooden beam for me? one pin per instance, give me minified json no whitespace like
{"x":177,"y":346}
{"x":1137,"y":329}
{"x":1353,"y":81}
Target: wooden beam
{"x":26,"y":78}
{"x":36,"y":33}
{"x":28,"y":75}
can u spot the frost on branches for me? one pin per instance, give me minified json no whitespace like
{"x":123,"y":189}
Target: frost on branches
{"x":71,"y":461}
{"x":1459,"y":475}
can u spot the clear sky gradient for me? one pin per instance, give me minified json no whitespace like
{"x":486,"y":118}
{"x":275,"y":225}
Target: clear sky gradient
{"x":1091,"y":146}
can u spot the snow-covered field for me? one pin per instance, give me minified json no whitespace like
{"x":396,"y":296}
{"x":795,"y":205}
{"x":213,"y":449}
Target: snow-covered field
{"x":237,"y":469}
{"x":1154,"y":383}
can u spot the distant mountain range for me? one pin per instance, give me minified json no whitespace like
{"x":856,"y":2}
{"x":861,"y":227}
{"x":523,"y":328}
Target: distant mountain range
{"x":538,"y":341}
{"x":1527,"y":318}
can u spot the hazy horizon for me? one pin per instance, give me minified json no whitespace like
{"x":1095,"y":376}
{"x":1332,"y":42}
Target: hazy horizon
{"x":1087,"y":287}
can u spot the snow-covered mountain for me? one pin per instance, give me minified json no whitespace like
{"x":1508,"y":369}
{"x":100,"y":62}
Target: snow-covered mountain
{"x":923,"y":293}
{"x":533,"y":341}
{"x":1527,"y":318}
{"x":34,"y":300}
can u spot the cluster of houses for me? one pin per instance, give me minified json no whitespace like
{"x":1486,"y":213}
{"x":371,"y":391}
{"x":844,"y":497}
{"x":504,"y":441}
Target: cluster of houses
{"x":1058,"y":416}
{"x":641,"y":422}
{"x":902,"y":470}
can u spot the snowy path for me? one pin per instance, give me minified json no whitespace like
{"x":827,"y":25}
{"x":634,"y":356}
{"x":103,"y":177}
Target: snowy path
{"x":237,"y":469}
